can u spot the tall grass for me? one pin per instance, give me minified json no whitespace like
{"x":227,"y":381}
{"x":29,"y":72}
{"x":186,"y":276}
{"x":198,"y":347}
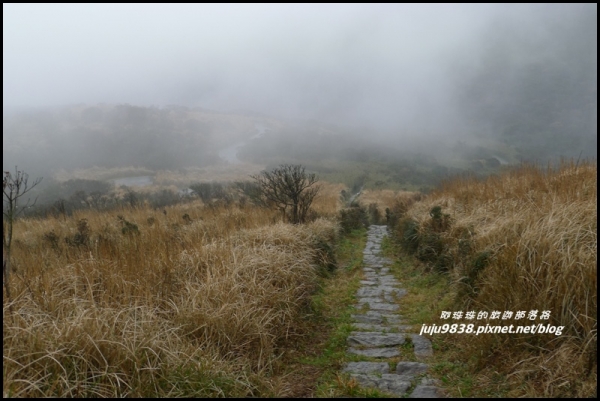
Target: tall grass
{"x":329,"y":198}
{"x":387,"y":206}
{"x":385,"y":198}
{"x":141,"y":303}
{"x":524,"y":240}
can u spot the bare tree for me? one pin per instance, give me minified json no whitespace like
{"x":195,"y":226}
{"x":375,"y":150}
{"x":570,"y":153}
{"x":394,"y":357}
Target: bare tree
{"x":287,"y":187}
{"x":13,"y":187}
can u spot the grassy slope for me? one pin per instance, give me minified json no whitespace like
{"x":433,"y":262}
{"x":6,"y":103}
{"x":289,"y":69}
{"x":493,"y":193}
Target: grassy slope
{"x":525,"y":240}
{"x":138,"y":296}
{"x":149,"y":304}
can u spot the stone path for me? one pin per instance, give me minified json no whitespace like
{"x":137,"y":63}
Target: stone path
{"x":380,"y":331}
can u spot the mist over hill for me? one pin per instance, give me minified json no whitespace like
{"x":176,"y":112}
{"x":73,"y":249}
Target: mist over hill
{"x":181,"y":147}
{"x":448,"y":85}
{"x":535,"y":86}
{"x":121,"y":135}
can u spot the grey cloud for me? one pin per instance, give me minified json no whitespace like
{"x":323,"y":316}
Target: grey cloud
{"x":388,"y":66}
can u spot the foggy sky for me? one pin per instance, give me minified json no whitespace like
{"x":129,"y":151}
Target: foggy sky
{"x":386,"y":66}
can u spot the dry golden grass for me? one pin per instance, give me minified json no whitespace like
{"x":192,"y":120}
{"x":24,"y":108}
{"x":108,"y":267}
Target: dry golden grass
{"x":385,"y":198}
{"x":539,"y":228}
{"x":201,"y":306}
{"x":329,"y":200}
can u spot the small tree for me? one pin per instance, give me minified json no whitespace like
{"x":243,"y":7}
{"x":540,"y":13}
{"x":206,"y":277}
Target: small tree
{"x":287,"y":187}
{"x":13,"y":187}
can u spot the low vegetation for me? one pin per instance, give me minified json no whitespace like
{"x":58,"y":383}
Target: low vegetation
{"x":158,"y":295}
{"x":525,"y":240}
{"x":192,"y":300}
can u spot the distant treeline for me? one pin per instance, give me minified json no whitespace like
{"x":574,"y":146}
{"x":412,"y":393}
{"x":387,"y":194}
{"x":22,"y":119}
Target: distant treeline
{"x":63,"y":198}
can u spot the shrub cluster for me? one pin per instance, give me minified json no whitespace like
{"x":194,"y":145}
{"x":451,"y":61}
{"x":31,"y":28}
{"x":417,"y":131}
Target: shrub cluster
{"x":375,"y":216}
{"x":398,"y":209}
{"x":207,"y":191}
{"x":62,"y":204}
{"x":353,"y":217}
{"x":426,"y":240}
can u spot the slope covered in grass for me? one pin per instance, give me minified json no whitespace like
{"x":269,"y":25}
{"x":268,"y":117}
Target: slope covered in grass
{"x":522,"y":241}
{"x":200,"y":301}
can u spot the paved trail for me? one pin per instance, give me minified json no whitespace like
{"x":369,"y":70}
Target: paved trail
{"x":380,"y":331}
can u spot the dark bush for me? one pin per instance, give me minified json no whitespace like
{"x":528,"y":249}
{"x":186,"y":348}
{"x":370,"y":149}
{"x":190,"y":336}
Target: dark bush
{"x":374,"y":214}
{"x":443,"y":263}
{"x":250,"y":191}
{"x":82,"y":236}
{"x":430,"y":247}
{"x":439,"y":222}
{"x":398,"y":210}
{"x":209,"y":190}
{"x":131,"y":198}
{"x":128,"y":228}
{"x":352,"y":218}
{"x":61,"y":208}
{"x":427,"y":242}
{"x":53,"y":239}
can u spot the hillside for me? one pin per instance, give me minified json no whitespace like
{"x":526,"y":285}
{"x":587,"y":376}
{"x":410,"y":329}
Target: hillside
{"x":525,"y":240}
{"x":171,"y":148}
{"x":193,"y":301}
{"x":195,"y":277}
{"x":123,"y":135}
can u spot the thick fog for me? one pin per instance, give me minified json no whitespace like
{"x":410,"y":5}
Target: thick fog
{"x":399,"y":71}
{"x":336,"y":62}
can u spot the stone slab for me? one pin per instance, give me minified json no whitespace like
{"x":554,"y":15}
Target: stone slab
{"x":422,"y":346}
{"x":368,"y":300}
{"x":388,"y":382}
{"x":365,"y":319}
{"x":383,"y":306}
{"x":375,"y":352}
{"x":374,"y":339}
{"x":425,"y":392}
{"x":377,"y":317}
{"x":410,"y":369}
{"x":366,"y":368}
{"x":371,"y":327}
{"x":369,"y":292}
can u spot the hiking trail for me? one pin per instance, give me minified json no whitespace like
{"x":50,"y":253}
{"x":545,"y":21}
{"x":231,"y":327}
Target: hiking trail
{"x":380,"y":331}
